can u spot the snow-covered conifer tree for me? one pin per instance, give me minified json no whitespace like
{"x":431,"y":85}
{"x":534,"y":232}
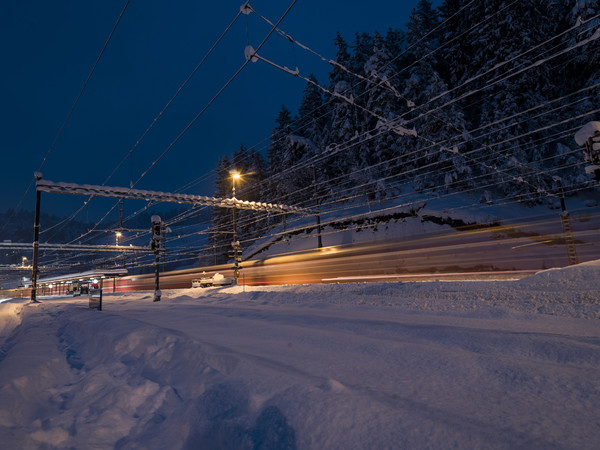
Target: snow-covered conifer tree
{"x":341,"y":136}
{"x":312,"y":117}
{"x":276,"y":154}
{"x":511,"y":149}
{"x":433,"y":158}
{"x":383,"y":100}
{"x":455,"y":37}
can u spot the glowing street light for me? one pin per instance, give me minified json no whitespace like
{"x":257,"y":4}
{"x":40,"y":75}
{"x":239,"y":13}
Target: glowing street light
{"x":235,"y":244}
{"x":234,"y":176}
{"x":118,"y":234}
{"x":23,"y":261}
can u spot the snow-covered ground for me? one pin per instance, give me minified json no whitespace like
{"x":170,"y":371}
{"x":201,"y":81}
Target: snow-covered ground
{"x":510,"y":364}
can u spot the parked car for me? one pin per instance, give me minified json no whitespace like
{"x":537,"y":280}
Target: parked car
{"x":216,"y":280}
{"x":205,"y":281}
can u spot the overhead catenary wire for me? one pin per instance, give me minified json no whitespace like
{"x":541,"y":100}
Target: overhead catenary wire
{"x":84,"y":85}
{"x":398,"y":127}
{"x":397,"y":159}
{"x":419,"y":200}
{"x":412,"y":45}
{"x":70,"y":113}
{"x":189,"y":125}
{"x":455,"y":193}
{"x":484,"y":175}
{"x":593,"y":111}
{"x":382,"y":83}
{"x":396,"y":74}
{"x":556,"y":168}
{"x":248,"y":9}
{"x":159,"y":115}
{"x":295,"y":72}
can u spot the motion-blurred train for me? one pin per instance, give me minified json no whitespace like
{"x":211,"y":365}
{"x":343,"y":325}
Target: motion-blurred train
{"x":498,"y":252}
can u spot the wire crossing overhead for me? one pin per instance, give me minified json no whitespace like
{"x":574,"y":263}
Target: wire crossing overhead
{"x":157,"y":196}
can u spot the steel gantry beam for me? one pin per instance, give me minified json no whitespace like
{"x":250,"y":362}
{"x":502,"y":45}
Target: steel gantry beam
{"x":76,"y":247}
{"x":136,"y":194}
{"x":156,"y":196}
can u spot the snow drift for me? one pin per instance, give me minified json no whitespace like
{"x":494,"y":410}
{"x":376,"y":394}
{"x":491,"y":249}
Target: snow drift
{"x":384,"y":365}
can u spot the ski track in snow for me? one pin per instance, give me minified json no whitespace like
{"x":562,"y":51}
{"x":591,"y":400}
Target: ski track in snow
{"x":382,"y":365}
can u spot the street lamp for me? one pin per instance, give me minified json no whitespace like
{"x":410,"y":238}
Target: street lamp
{"x":118,"y":234}
{"x":23,"y":260}
{"x":234,"y":176}
{"x":235,"y":244}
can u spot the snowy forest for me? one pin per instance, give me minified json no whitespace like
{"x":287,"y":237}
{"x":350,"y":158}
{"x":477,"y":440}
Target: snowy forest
{"x":479,"y":96}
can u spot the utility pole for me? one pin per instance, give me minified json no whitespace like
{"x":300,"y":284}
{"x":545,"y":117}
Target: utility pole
{"x":318,"y":202}
{"x":156,"y":244}
{"x":121,"y":208}
{"x":236,"y":243}
{"x":236,"y":248}
{"x":565,"y":220}
{"x":36,"y":241}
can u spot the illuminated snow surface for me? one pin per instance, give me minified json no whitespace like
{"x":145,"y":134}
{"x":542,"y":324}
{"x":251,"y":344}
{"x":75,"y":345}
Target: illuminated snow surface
{"x":512,"y":364}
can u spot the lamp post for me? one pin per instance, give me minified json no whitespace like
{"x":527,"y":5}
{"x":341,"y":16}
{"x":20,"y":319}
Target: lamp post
{"x":23,"y":261}
{"x":235,"y":244}
{"x":234,"y":176}
{"x":36,"y":240}
{"x":118,"y":234}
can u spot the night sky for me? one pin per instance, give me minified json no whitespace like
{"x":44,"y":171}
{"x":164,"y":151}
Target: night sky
{"x":49,"y":48}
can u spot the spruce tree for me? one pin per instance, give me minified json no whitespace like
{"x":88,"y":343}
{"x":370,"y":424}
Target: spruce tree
{"x":511,"y":150}
{"x":432,"y":159}
{"x":456,"y":39}
{"x":312,"y":117}
{"x":382,"y":99}
{"x":343,"y":59}
{"x":342,"y":131}
{"x":276,"y":149}
{"x":276,"y":154}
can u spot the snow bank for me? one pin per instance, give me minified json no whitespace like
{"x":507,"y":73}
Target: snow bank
{"x":10,"y":316}
{"x":569,"y":292}
{"x":382,"y":365}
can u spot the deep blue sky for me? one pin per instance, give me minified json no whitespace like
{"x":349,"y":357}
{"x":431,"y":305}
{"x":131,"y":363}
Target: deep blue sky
{"x":48,"y":49}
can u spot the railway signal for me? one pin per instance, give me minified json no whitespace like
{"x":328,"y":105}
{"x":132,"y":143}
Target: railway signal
{"x":157,"y":244}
